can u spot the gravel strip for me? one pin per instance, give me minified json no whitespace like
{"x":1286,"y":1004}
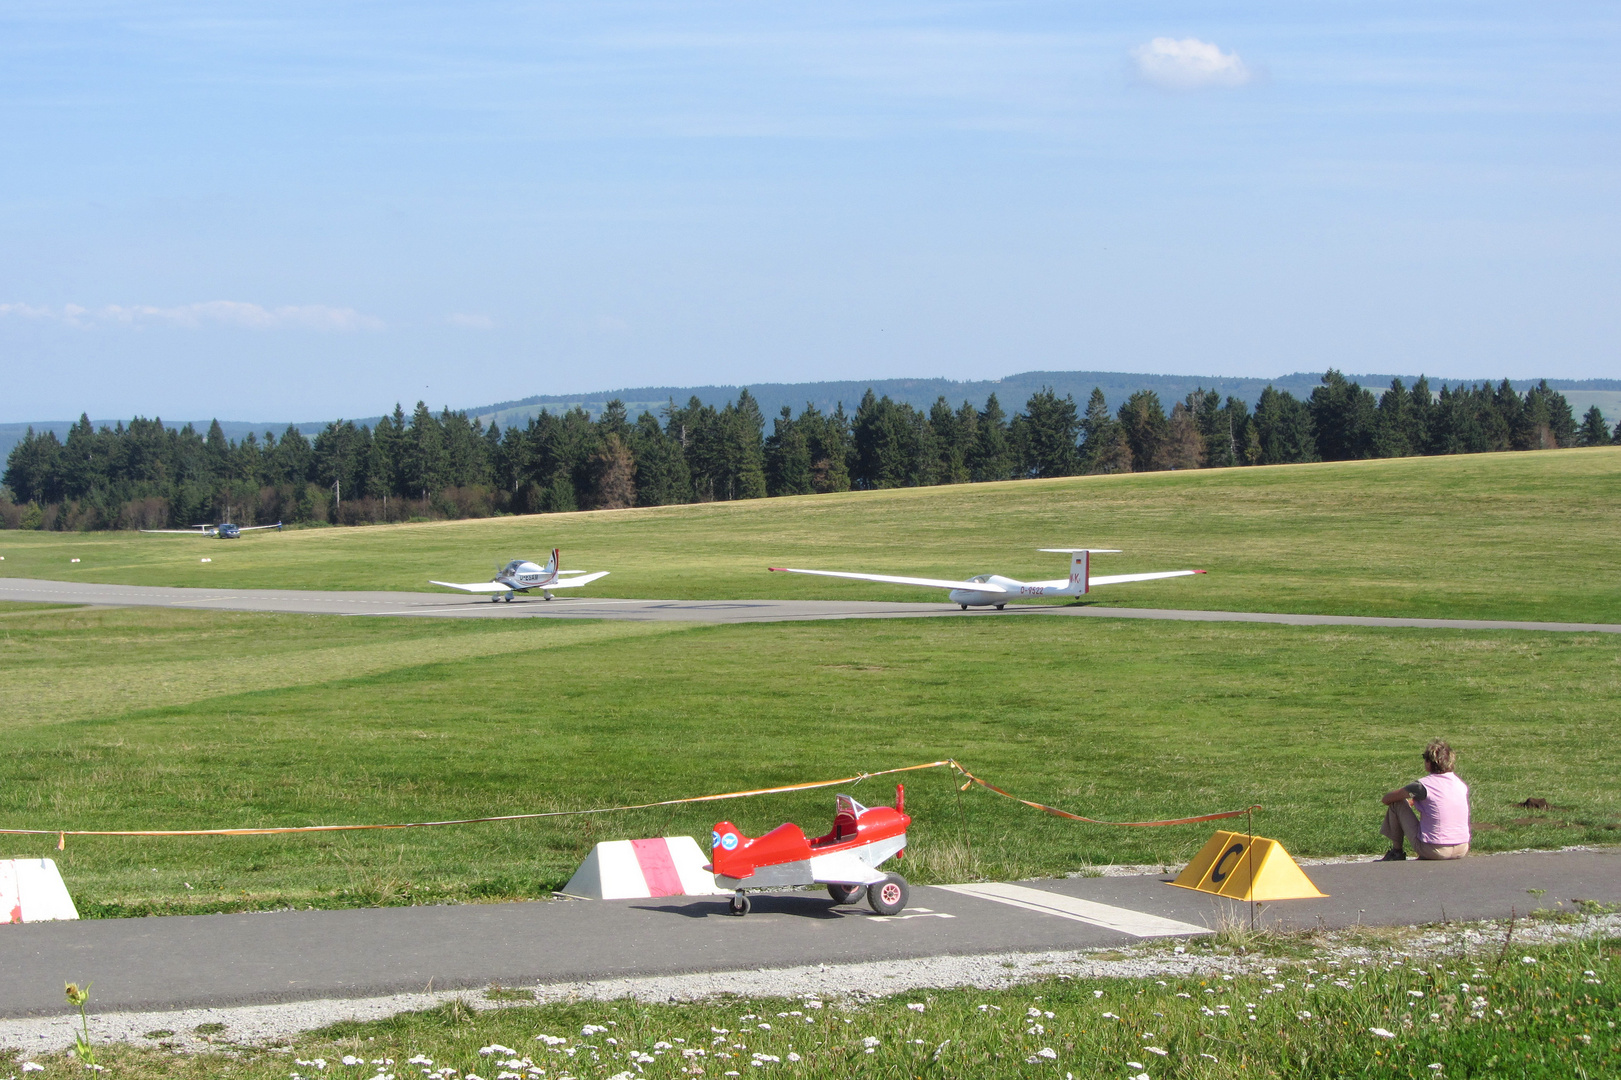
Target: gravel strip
{"x":272,"y":1024}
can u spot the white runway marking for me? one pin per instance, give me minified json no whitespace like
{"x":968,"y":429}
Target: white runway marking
{"x":1135,"y":923}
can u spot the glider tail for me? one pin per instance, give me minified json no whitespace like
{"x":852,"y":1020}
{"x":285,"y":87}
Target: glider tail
{"x":1080,"y":572}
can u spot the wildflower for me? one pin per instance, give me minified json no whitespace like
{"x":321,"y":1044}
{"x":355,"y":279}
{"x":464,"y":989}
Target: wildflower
{"x":1382,"y":1033}
{"x":550,"y":1040}
{"x":1134,"y":1065}
{"x":592,"y":1029}
{"x":1184,"y":995}
{"x":812,"y":1003}
{"x":496,"y":1048}
{"x":1436,"y":1065}
{"x":1036,"y":1029}
{"x":320,"y":1063}
{"x":1212,"y":1057}
{"x":662,"y":1045}
{"x":1415,"y":993}
{"x":350,"y":1059}
{"x":1046,"y":1052}
{"x":870,"y":1041}
{"x":417,"y":1060}
{"x":1302,"y":1015}
{"x":915,"y":1006}
{"x":1157,"y":1050}
{"x":792,"y":1056}
{"x":32,"y":1066}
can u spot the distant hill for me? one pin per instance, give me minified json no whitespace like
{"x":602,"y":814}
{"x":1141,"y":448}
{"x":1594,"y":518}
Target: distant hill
{"x":1012,"y":391}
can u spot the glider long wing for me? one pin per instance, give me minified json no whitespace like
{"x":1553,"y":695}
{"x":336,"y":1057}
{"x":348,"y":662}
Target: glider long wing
{"x":928,"y":583}
{"x":477,"y":587}
{"x":180,"y":532}
{"x":574,"y":582}
{"x":1121,"y":579}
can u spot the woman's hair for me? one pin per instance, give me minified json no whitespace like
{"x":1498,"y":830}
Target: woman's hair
{"x":1438,"y":757}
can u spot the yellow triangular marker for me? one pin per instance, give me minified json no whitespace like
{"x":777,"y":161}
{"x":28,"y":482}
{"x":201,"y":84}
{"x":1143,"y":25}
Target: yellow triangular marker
{"x":1231,"y":862}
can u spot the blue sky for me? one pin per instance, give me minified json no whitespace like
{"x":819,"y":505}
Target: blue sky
{"x":300,"y":210}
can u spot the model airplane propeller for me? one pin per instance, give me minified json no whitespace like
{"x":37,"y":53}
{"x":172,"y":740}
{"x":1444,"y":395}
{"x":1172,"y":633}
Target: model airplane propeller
{"x":521,"y":575}
{"x":846,"y":860}
{"x":994,"y":590}
{"x":223,"y":531}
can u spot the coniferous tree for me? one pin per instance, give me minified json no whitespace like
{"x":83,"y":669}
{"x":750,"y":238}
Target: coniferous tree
{"x":661,"y":470}
{"x":992,"y":458}
{"x":1142,"y":419}
{"x":1393,"y":423}
{"x":1183,"y":447}
{"x":1342,"y":415}
{"x":1283,"y":429}
{"x":1593,"y":432}
{"x":1102,"y":437}
{"x":1049,"y":431}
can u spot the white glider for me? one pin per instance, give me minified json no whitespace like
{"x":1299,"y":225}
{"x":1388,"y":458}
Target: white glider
{"x":993,"y":590}
{"x":521,"y":575}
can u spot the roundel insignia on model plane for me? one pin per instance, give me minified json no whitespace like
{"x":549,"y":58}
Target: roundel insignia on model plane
{"x":714,"y":839}
{"x":729,"y":841}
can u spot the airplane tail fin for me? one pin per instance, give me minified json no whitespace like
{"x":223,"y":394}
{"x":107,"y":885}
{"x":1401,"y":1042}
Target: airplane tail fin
{"x":1080,"y":567}
{"x":551,"y":564}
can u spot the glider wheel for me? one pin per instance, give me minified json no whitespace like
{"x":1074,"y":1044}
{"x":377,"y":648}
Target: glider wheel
{"x":844,"y":894}
{"x":740,"y":903}
{"x":889,"y":896}
{"x":965,"y":607}
{"x":495,"y":599}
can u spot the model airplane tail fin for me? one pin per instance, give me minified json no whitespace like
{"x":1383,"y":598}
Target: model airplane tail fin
{"x":551,"y":564}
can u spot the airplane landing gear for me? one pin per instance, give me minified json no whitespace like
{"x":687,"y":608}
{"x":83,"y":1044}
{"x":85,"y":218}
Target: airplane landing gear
{"x":999,"y":607}
{"x":546,"y":594}
{"x":740,"y":903}
{"x":509,"y":598}
{"x":889,"y":896}
{"x":495,"y":599}
{"x":845,"y":894}
{"x":965,"y":607}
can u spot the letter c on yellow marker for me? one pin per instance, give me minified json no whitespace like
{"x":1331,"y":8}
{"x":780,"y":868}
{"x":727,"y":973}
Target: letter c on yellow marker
{"x":1217,"y":873}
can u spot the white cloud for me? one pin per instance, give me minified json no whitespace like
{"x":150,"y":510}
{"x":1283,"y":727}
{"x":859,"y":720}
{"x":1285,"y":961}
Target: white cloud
{"x":234,"y":313}
{"x":1188,"y":64}
{"x":470,"y":321}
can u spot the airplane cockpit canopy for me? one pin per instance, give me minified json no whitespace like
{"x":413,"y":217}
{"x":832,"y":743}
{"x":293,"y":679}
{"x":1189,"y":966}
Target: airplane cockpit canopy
{"x":513,"y":567}
{"x":980,"y":578}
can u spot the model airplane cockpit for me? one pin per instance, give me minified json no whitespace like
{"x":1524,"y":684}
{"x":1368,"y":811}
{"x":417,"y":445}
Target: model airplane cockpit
{"x":846,"y":860}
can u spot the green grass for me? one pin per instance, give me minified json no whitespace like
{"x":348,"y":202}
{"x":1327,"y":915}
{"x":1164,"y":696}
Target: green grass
{"x":1523,"y":536}
{"x":150,"y":718}
{"x":1553,"y":1018}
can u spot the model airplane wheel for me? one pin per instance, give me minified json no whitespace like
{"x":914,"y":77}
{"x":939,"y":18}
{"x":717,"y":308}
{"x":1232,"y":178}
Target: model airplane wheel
{"x":495,"y":599}
{"x":845,"y":894}
{"x":740,"y":903}
{"x":889,"y":896}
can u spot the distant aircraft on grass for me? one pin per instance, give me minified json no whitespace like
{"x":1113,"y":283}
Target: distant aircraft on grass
{"x":223,"y":531}
{"x":521,"y":575}
{"x":994,"y":590}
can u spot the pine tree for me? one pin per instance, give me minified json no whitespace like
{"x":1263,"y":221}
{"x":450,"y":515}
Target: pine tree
{"x":992,"y":458}
{"x":1593,"y":432}
{"x":1183,"y":447}
{"x":1049,"y":431}
{"x":1142,"y":418}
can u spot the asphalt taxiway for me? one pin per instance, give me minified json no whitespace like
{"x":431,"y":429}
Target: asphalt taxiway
{"x":180,"y":962}
{"x":457,"y":606}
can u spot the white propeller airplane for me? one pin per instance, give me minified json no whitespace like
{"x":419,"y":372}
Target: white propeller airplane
{"x":994,"y":590}
{"x":223,"y":531}
{"x":521,"y":575}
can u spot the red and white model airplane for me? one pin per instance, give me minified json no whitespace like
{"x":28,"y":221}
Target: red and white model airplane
{"x":994,"y":590}
{"x":521,"y":575}
{"x":845,"y":860}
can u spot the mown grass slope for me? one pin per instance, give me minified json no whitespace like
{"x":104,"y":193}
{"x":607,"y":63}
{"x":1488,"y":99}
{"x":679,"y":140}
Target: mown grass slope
{"x":1524,"y":536}
{"x":150,"y":719}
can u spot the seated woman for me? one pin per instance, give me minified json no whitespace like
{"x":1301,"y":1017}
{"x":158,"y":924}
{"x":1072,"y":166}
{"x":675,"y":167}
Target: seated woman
{"x":1440,"y":827}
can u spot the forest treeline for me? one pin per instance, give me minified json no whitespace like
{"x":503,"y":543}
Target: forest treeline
{"x":426,"y":466}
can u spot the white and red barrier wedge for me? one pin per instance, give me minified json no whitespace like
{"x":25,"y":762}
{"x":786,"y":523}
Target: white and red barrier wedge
{"x":32,"y":890}
{"x":642,"y":869}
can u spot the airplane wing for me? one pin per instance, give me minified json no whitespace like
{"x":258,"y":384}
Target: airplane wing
{"x":254,"y":528}
{"x":179,"y":532}
{"x":843,"y":868}
{"x":575,"y":582}
{"x":1121,"y":579}
{"x":931,"y":583}
{"x":477,"y":587}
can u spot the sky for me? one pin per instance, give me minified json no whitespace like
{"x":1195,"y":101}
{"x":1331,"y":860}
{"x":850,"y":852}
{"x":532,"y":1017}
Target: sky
{"x":296,"y":211}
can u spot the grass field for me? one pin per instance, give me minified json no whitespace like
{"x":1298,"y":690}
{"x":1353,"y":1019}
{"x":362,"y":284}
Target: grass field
{"x":1524,"y":536}
{"x":1543,"y":1012}
{"x":153,"y":718}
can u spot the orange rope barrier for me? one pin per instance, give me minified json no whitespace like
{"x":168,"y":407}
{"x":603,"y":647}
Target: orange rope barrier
{"x":972,"y":779}
{"x":63,"y":834}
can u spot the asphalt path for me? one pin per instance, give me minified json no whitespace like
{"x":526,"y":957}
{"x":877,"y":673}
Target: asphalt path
{"x":164,"y":963}
{"x":447,"y":605}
